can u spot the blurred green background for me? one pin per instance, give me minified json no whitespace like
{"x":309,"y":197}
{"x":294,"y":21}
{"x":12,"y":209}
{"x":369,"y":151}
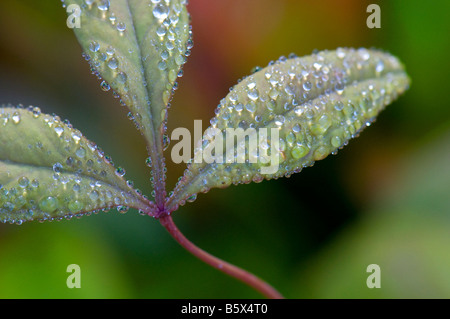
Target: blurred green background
{"x":382,"y":200}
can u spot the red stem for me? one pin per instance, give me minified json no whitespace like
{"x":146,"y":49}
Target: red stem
{"x":231,"y":270}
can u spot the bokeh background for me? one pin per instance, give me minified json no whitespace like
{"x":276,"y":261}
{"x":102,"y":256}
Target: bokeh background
{"x":384,"y":199}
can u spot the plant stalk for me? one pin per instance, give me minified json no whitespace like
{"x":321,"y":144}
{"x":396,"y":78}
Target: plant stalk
{"x":227,"y":268}
{"x":158,"y":182}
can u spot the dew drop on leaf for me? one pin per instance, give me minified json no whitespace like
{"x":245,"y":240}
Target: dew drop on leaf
{"x":161,"y":12}
{"x":307,"y":86}
{"x":121,"y":27}
{"x":57,"y":167}
{"x":103,"y":5}
{"x":94,"y":46}
{"x":120,"y":171}
{"x":23,"y":182}
{"x":48,"y":204}
{"x":105,"y":86}
{"x":113,"y":63}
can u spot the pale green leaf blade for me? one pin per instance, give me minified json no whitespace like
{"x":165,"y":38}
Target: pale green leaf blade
{"x":315,"y":104}
{"x":49,"y":170}
{"x":138,"y":47}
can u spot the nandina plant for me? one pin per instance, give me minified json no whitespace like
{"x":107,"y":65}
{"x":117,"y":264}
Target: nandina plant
{"x":273,"y":123}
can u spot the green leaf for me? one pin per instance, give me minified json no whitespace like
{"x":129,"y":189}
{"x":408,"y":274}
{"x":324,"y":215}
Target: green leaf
{"x":49,"y":170}
{"x":138,"y":48}
{"x":309,"y":107}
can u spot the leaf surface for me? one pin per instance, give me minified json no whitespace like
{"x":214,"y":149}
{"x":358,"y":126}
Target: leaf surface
{"x":49,"y":170}
{"x":306,"y":107}
{"x":138,"y":47}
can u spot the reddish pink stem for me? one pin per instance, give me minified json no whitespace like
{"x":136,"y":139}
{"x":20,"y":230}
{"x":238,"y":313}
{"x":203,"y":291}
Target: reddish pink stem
{"x":231,"y":270}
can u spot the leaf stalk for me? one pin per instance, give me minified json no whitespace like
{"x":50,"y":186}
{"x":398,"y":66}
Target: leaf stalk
{"x":246,"y":277}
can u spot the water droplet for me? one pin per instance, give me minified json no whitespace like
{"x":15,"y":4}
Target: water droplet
{"x":320,"y":153}
{"x":113,"y":63}
{"x":112,"y":18}
{"x":251,"y":85}
{"x":340,"y":52}
{"x":35,"y":183}
{"x":76,"y":136}
{"x":307,"y":86}
{"x":148,"y":162}
{"x":120,"y":171}
{"x":48,"y":204}
{"x":253,"y":94}
{"x":57,"y":167}
{"x":161,"y":31}
{"x":180,"y":59}
{"x":80,"y":152}
{"x":189,"y":44}
{"x":299,"y":151}
{"x":110,"y":50}
{"x":142,"y":213}
{"x":273,"y":94}
{"x":336,"y":141}
{"x":379,"y":67}
{"x":364,"y":54}
{"x":243,"y":125}
{"x":213,"y":121}
{"x":364,"y":103}
{"x":122,"y":77}
{"x":105,"y":86}
{"x":339,"y":87}
{"x":122,"y":209}
{"x":290,"y":138}
{"x":23,"y":182}
{"x":75,"y":206}
{"x":279,"y":120}
{"x":36,"y":112}
{"x":339,"y":106}
{"x":59,"y":129}
{"x":94,"y":195}
{"x":103,"y":5}
{"x":298,"y":110}
{"x":162,"y":65}
{"x":94,"y":46}
{"x":161,"y":12}
{"x":251,"y":107}
{"x":166,"y":142}
{"x":192,"y":198}
{"x":15,"y":118}
{"x":325,"y":121}
{"x":165,"y":55}
{"x":121,"y":27}
{"x":297,"y":128}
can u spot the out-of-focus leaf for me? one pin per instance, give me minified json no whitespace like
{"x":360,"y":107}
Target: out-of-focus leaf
{"x":49,"y":170}
{"x":411,"y":250}
{"x":138,"y":48}
{"x":34,"y":264}
{"x":421,"y":183}
{"x":405,"y":232}
{"x":310,"y":108}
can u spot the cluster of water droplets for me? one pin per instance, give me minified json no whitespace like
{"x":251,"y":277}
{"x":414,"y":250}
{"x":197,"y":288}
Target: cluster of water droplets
{"x":171,"y":45}
{"x":317,"y":104}
{"x":139,"y":56}
{"x":162,"y":52}
{"x":57,"y":173}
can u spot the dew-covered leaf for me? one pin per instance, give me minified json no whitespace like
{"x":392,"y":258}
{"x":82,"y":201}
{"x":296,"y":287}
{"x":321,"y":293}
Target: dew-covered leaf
{"x":290,"y":114}
{"x":49,"y":170}
{"x":138,"y":47}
